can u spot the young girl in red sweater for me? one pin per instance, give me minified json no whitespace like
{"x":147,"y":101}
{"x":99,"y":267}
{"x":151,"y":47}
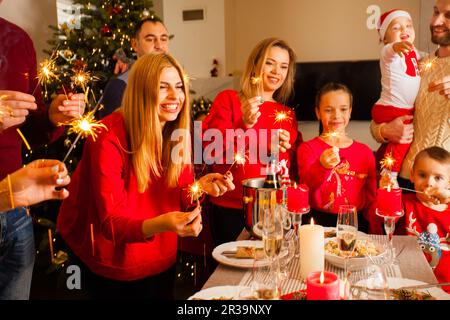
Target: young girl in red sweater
{"x":125,"y":208}
{"x":427,"y":213}
{"x":337,"y":169}
{"x":266,"y":85}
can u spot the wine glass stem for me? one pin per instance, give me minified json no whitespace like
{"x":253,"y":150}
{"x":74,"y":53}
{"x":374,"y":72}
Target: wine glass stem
{"x":389,"y":226}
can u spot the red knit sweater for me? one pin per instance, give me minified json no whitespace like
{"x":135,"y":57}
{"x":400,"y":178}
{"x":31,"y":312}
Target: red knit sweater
{"x":18,"y":73}
{"x":226,"y":114}
{"x":355,"y":177}
{"x":104,"y":194}
{"x":416,"y":220}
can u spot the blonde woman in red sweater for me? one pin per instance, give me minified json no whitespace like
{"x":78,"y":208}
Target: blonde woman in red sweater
{"x":128,"y":200}
{"x":247,"y":123}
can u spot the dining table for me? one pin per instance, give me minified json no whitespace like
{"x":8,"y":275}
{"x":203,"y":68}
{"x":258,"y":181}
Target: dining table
{"x":410,"y":264}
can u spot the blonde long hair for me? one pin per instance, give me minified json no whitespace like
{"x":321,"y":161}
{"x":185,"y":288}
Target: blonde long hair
{"x":254,"y":69}
{"x":150,"y":143}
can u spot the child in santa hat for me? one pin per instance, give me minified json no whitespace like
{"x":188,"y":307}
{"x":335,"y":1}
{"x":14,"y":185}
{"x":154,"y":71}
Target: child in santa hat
{"x":400,"y":81}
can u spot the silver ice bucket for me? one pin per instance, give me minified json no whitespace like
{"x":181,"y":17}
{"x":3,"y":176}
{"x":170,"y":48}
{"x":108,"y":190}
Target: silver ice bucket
{"x":254,"y":199}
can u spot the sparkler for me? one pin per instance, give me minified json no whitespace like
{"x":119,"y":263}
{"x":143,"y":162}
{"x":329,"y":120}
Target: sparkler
{"x":429,"y":63}
{"x":282,"y":116}
{"x":195,"y":192}
{"x":46,"y":72}
{"x":238,"y":159}
{"x":50,"y":243}
{"x":387,"y":162}
{"x":85,"y":126}
{"x":255,"y":80}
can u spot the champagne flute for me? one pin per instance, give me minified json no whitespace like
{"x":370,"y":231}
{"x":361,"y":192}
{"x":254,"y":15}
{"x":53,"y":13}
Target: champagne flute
{"x":346,"y":232}
{"x":272,"y":236}
{"x":389,"y":227}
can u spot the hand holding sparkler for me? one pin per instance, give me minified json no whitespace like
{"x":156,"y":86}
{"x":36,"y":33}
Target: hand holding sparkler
{"x":184,"y":224}
{"x":216,"y":184}
{"x":438,"y":195}
{"x":34,"y":183}
{"x":66,"y":108}
{"x":442,"y":86}
{"x":14,"y":108}
{"x":250,"y":111}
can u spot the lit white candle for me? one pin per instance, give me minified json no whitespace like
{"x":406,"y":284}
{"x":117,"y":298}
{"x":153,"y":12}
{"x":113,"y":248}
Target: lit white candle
{"x":312,"y":252}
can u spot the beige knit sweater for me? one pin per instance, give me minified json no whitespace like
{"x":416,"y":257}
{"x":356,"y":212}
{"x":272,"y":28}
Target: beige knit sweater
{"x":432,"y":115}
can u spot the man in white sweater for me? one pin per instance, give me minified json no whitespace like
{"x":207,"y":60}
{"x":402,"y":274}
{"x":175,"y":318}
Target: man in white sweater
{"x":431,"y":125}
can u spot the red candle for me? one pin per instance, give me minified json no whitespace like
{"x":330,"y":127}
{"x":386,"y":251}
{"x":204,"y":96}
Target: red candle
{"x":322,"y":286}
{"x":297,"y":198}
{"x":389,"y":202}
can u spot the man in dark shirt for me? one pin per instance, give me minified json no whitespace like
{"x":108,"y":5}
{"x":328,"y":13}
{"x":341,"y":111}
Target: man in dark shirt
{"x":21,"y":106}
{"x":150,"y":36}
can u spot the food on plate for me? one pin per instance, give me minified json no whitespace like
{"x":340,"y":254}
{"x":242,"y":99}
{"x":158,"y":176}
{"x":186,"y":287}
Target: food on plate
{"x":404,"y":294}
{"x":248,"y":252}
{"x":331,"y":233}
{"x":297,"y":295}
{"x":219,"y":298}
{"x":362,"y":248}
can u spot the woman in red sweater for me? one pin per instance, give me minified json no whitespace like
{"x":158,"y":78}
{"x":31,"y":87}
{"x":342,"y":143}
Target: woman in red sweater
{"x":125,"y":208}
{"x":337,"y":169}
{"x":247,"y":124}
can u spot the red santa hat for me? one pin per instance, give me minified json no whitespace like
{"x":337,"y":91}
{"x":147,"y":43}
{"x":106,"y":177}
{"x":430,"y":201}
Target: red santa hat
{"x":386,"y":19}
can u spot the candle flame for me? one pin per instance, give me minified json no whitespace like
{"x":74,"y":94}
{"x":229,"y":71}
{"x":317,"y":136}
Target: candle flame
{"x":295,"y":185}
{"x":312,"y":221}
{"x":389,"y":187}
{"x":322,"y":278}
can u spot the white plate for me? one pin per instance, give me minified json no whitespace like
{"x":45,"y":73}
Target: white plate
{"x":354,"y":262}
{"x":234,"y":262}
{"x":224,"y":292}
{"x":395,"y":283}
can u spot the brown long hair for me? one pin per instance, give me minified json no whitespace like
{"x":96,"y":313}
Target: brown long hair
{"x":331,"y":87}
{"x":151,"y":145}
{"x":254,"y":68}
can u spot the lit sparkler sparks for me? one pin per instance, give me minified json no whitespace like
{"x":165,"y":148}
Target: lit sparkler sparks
{"x":81,"y":78}
{"x":238,"y":159}
{"x":46,"y":72}
{"x":429,"y":63}
{"x":85,"y":126}
{"x":332,"y":134}
{"x":387,"y":162}
{"x":255,"y":80}
{"x":282,"y":116}
{"x":195,"y":192}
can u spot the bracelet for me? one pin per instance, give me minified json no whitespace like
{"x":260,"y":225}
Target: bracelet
{"x":380,"y":136}
{"x":11,"y":199}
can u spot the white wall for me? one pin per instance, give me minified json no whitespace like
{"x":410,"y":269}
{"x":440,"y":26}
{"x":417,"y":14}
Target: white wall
{"x":318,"y":30}
{"x":197,"y":43}
{"x":34,"y":17}
{"x":426,"y":12}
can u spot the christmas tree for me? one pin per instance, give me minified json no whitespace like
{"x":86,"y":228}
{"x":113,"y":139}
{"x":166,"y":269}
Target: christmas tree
{"x":84,"y":50}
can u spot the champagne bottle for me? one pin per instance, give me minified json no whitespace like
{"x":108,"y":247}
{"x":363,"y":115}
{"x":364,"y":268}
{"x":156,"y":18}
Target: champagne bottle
{"x":273,"y":180}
